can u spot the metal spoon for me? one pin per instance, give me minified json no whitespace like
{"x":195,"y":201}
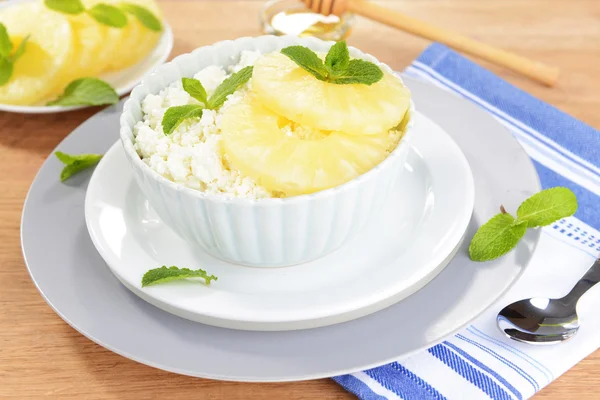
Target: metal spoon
{"x":547,"y":321}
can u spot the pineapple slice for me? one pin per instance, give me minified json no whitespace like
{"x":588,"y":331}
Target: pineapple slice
{"x":289,"y":90}
{"x":284,"y":156}
{"x":132,"y":43}
{"x":91,"y":55}
{"x":47,"y":57}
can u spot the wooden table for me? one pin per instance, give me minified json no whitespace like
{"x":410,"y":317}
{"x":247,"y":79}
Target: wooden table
{"x":42,"y":357}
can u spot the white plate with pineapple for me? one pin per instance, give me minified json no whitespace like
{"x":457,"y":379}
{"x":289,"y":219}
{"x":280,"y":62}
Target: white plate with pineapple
{"x":414,"y":223}
{"x":62,"y":48}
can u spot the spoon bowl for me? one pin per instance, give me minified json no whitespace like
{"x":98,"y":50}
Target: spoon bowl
{"x":547,"y":321}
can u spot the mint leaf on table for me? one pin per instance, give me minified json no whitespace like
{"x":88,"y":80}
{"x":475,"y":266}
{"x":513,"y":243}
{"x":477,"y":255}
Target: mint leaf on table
{"x":76,"y":163}
{"x":145,"y":16}
{"x":228,"y":86}
{"x":176,"y":115}
{"x":65,"y":6}
{"x":338,"y":67}
{"x":496,"y":237}
{"x":547,"y":206}
{"x":86,"y":91}
{"x":308,"y":60}
{"x":108,"y":15}
{"x":502,"y":233}
{"x":168,"y":274}
{"x":195,"y":89}
{"x":337,"y":58}
{"x":5,"y":43}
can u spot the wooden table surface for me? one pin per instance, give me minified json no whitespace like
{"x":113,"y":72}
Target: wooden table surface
{"x":42,"y":357}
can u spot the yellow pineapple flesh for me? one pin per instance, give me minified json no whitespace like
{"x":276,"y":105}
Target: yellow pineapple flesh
{"x":357,"y":109}
{"x":47,"y":57}
{"x":288,"y":157}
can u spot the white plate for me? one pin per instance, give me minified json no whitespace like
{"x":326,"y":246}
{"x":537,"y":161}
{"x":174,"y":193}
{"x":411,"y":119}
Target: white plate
{"x":123,"y":81}
{"x":74,"y":279}
{"x":399,"y":252}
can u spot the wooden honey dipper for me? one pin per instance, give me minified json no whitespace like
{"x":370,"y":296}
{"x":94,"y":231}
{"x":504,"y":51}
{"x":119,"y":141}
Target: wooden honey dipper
{"x":537,"y":71}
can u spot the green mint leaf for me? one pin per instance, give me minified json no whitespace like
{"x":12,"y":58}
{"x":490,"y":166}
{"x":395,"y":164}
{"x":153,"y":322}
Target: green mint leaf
{"x":86,"y":91}
{"x":5,"y":43}
{"x":195,"y":89}
{"x":6,"y":70}
{"x":143,"y":15}
{"x":65,"y":6}
{"x":308,"y":60}
{"x":108,"y":15}
{"x":176,"y":115}
{"x":168,"y":274}
{"x":228,"y":86}
{"x":359,"y":71}
{"x":76,"y":163}
{"x":20,"y":50}
{"x":496,"y":237}
{"x":338,"y":58}
{"x":547,"y":206}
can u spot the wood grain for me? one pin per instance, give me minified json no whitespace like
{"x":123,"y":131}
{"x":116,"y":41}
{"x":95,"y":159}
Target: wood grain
{"x":42,"y":357}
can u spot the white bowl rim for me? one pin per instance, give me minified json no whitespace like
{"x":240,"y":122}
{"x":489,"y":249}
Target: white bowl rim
{"x":223,"y":198}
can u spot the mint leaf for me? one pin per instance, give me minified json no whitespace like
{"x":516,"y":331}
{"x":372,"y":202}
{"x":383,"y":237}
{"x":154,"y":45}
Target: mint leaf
{"x":496,"y":237}
{"x":143,"y":15}
{"x":547,"y":206}
{"x":65,"y":6}
{"x":359,"y":71}
{"x":228,"y":86}
{"x":176,"y":115}
{"x":337,"y":58}
{"x":76,"y":163}
{"x":195,"y":89}
{"x":86,"y":91}
{"x":108,"y":15}
{"x":5,"y":43}
{"x":168,"y":274}
{"x":6,"y":70}
{"x":308,"y":60}
{"x":20,"y":50}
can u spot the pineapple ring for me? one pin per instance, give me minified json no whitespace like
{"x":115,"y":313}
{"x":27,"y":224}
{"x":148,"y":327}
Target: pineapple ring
{"x":289,"y":90}
{"x":90,"y":58}
{"x":47,"y":56}
{"x":261,"y":145}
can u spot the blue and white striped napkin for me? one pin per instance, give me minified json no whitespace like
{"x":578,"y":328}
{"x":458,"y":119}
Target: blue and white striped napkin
{"x":479,"y":362}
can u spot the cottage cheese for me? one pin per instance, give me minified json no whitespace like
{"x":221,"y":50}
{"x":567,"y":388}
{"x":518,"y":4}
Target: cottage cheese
{"x":192,"y":154}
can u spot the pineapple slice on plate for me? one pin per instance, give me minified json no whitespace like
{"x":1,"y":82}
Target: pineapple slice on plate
{"x":47,"y":57}
{"x":356,"y":109}
{"x":148,"y":38}
{"x":286,"y":157}
{"x":91,"y":54}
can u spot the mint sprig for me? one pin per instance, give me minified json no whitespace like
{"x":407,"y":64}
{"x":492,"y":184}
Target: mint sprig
{"x":76,"y":163}
{"x":107,"y":14}
{"x":143,"y":15}
{"x":338,"y":68}
{"x":7,"y":60}
{"x":503,"y":232}
{"x":168,"y":274}
{"x":86,"y":91}
{"x":177,"y":114}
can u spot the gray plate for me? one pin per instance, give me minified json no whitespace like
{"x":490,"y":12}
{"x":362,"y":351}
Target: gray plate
{"x":77,"y":284}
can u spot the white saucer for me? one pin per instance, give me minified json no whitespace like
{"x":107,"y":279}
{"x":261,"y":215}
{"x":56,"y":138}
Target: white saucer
{"x":122,"y":81}
{"x":400,"y":251}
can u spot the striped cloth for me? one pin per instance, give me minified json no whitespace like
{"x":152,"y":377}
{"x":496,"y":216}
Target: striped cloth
{"x":479,"y":362}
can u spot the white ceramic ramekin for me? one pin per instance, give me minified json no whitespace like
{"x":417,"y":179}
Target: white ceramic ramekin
{"x":265,"y":232}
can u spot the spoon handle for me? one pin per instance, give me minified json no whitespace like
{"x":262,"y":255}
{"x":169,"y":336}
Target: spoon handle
{"x":591,"y":277}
